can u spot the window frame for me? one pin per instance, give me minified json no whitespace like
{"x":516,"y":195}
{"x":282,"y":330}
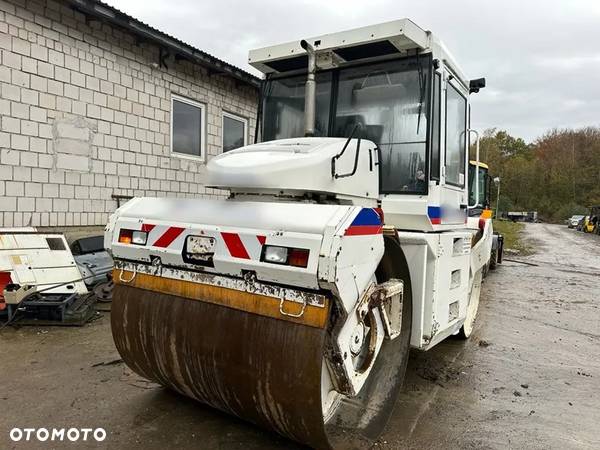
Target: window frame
{"x":239,"y":118}
{"x":202,"y":107}
{"x":465,"y":156}
{"x":436,"y":82}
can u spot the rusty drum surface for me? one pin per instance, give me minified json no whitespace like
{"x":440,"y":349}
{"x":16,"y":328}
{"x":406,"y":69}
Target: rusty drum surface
{"x":264,"y":370}
{"x":237,"y":352}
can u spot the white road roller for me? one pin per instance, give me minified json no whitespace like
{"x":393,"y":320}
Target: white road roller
{"x":344,"y":241}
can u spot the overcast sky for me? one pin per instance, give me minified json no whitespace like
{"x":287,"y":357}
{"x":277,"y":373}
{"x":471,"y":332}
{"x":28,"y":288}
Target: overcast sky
{"x":541,"y":58}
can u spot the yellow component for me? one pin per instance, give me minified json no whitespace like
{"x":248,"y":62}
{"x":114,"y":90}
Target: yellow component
{"x":486,"y":214}
{"x":263,"y":305}
{"x":481,"y":164}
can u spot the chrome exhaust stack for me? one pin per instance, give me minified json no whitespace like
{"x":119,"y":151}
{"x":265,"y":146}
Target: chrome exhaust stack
{"x":310,"y":95}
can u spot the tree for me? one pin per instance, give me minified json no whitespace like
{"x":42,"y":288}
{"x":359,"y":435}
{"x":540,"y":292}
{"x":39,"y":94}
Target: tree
{"x":558,"y":175}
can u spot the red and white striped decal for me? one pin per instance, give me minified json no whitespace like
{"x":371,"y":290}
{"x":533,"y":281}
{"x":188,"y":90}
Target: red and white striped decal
{"x":235,"y":245}
{"x":239,"y":245}
{"x":168,"y":237}
{"x":244,"y":246}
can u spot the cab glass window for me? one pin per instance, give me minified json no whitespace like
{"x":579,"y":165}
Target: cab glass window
{"x":390,"y":102}
{"x":456,"y":124}
{"x":435,"y":129}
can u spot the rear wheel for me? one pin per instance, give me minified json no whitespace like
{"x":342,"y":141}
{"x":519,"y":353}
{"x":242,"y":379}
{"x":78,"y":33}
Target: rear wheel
{"x":355,"y":422}
{"x":467,"y":329}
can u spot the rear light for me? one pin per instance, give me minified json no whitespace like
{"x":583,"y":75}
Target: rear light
{"x":379,"y":212}
{"x":125,"y":236}
{"x":132,"y":237}
{"x":481,"y":224}
{"x":297,"y":257}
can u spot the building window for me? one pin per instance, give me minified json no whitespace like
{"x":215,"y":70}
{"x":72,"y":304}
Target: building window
{"x":187,"y":128}
{"x":235,"y":131}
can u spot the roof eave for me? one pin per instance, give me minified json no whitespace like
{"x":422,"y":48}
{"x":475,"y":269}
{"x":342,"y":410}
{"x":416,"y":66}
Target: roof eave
{"x":117,"y":18}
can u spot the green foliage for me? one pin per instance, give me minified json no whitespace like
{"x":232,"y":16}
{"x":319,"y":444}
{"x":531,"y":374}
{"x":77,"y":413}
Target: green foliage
{"x":513,"y":236}
{"x":558,"y":175}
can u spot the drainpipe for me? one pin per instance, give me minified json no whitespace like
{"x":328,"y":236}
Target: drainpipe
{"x":310,"y":97}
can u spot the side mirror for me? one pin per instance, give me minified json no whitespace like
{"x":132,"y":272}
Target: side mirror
{"x":476,"y":85}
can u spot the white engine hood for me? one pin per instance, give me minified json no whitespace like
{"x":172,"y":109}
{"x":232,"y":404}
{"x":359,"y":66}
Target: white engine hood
{"x":297,"y":165}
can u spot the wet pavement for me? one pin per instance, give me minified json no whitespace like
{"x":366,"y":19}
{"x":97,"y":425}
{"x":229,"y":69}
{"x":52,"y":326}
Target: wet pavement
{"x":528,"y":378}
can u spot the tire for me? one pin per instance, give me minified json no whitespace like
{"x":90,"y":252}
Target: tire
{"x":493,"y":259}
{"x":360,"y":420}
{"x":466,"y":330}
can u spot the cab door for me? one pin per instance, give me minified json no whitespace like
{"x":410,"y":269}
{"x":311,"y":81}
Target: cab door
{"x":453,"y":179}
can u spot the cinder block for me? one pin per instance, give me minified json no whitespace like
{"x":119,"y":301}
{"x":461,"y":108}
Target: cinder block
{"x":19,"y":142}
{"x":29,"y":65}
{"x":45,"y":70}
{"x":19,"y":78}
{"x":11,"y":60}
{"x":8,"y":204}
{"x":50,"y":190}
{"x":82,"y":192}
{"x":44,"y":205}
{"x":5,"y":172}
{"x":29,"y":96}
{"x":56,"y":58}
{"x":21,"y":46}
{"x":25,"y":204}
{"x":60,"y":204}
{"x":38,"y":114}
{"x":29,"y":159}
{"x":33,"y":189}
{"x":39,"y":175}
{"x":22,"y":173}
{"x":39,"y":52}
{"x":29,"y":128}
{"x":72,"y":162}
{"x":15,"y":188}
{"x":45,"y":161}
{"x":10,"y":92}
{"x":11,"y":125}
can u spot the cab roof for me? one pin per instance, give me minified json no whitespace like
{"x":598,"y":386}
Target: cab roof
{"x":481,"y":164}
{"x":398,"y":37}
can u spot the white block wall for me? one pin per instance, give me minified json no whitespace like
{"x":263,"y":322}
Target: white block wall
{"x":84,"y":114}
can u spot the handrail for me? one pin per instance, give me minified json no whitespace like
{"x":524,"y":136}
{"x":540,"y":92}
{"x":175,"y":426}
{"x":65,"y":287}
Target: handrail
{"x":339,"y":155}
{"x":476,"y":170}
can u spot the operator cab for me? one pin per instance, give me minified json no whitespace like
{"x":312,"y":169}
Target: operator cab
{"x":396,"y":85}
{"x":395,"y":88}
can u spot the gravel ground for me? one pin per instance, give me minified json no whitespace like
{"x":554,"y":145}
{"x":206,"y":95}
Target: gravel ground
{"x":528,"y":378}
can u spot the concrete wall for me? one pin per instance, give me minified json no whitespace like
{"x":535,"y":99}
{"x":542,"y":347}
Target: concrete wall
{"x":85,"y":114}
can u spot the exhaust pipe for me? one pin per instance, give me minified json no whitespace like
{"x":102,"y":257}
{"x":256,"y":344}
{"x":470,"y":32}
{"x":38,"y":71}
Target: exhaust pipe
{"x":310,"y":95}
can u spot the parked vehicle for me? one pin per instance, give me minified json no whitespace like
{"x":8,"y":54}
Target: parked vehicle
{"x":573,"y":221}
{"x":593,"y":225}
{"x":581,"y":225}
{"x":94,"y":262}
{"x":522,"y":216}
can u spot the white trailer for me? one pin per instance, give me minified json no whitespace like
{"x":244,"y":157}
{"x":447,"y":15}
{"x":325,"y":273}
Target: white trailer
{"x":345,"y":240}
